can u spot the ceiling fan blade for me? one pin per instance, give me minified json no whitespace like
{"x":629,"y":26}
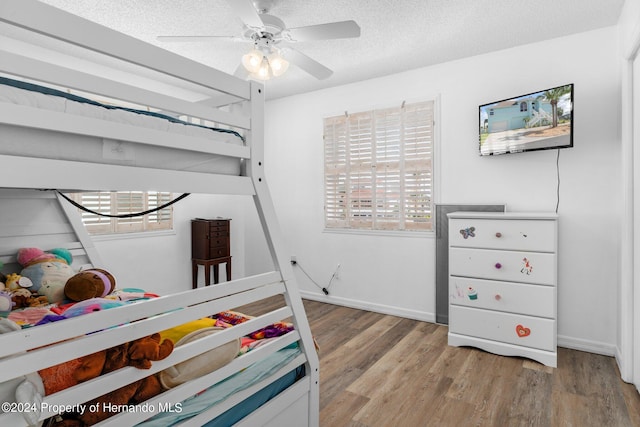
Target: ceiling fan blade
{"x":246,"y":12}
{"x":306,"y":63}
{"x":334,"y":30}
{"x":186,"y":39}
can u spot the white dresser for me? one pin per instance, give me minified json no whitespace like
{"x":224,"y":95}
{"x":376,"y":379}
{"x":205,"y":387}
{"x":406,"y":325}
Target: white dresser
{"x":502,"y":283}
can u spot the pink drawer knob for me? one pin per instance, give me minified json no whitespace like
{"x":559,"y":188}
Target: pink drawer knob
{"x":498,"y":234}
{"x":498,"y":265}
{"x":498,"y":297}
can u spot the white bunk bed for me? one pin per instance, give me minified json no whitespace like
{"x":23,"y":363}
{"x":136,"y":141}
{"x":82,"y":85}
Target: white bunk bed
{"x":42,"y":44}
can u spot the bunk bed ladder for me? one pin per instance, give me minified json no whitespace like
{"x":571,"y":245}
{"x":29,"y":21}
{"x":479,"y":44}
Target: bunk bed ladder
{"x":271,"y":229}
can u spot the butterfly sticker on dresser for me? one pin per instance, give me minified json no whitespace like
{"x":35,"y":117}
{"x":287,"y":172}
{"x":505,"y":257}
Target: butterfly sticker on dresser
{"x":468,"y":232}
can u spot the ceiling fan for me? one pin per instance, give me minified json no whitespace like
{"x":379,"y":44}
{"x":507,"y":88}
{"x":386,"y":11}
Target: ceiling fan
{"x":272,"y":40}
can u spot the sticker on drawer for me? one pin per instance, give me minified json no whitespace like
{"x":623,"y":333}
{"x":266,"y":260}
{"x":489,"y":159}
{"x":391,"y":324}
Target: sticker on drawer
{"x":468,"y":232}
{"x":469,"y":293}
{"x":522,"y":331}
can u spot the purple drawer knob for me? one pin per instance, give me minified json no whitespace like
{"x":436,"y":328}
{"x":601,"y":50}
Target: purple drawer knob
{"x":498,"y":265}
{"x":498,"y":234}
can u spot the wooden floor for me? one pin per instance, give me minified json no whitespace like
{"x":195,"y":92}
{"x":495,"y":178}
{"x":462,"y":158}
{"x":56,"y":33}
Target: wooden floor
{"x":380,"y":370}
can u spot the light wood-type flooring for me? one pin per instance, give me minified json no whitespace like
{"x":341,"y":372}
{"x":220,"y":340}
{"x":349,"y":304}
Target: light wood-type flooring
{"x":380,"y":370}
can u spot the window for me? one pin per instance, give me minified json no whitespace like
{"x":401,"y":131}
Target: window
{"x":378,"y":169}
{"x":523,"y":106}
{"x":125,"y":202}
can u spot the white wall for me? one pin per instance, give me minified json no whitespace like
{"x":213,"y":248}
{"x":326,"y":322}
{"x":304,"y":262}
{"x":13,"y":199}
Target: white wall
{"x":396,"y":274}
{"x":161,"y":263}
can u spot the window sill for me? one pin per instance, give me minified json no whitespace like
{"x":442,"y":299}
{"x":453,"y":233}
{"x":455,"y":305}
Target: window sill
{"x":384,"y":233}
{"x":136,"y":235}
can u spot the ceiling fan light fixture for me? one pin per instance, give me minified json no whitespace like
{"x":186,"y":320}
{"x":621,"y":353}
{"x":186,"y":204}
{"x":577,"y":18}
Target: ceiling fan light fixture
{"x":264,"y":70}
{"x":278,"y":64}
{"x":252,"y":61}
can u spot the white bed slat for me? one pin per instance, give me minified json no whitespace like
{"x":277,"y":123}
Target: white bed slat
{"x":230,"y":402}
{"x":8,"y":253}
{"x":39,"y":229}
{"x":53,"y":22}
{"x":73,"y":79}
{"x":37,"y":118}
{"x":190,"y":388}
{"x":98,"y":177}
{"x":195,"y":348}
{"x":28,"y":339}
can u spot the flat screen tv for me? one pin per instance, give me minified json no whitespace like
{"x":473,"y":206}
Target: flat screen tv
{"x":536,"y":121}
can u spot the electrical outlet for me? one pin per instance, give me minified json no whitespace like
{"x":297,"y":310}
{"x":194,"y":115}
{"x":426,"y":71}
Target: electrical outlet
{"x":294,"y":261}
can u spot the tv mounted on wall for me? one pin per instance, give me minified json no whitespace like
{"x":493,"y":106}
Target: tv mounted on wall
{"x":536,"y":121}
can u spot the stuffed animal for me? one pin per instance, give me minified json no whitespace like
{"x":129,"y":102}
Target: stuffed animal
{"x":6,"y":304}
{"x":93,"y":283}
{"x":15,"y":281}
{"x":21,"y":298}
{"x":138,"y":353}
{"x":49,"y":271}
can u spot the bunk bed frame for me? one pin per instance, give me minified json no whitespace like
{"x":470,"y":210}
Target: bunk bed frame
{"x":222,"y":99}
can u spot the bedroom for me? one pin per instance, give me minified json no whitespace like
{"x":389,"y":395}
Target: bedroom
{"x":595,"y":273}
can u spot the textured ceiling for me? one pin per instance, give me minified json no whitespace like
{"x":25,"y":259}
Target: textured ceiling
{"x":396,"y":35}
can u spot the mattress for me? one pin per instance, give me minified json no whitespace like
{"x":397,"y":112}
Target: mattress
{"x":31,"y":142}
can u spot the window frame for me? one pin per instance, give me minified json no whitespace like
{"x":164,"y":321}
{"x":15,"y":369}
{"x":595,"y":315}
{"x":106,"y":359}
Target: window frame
{"x":403,"y":223}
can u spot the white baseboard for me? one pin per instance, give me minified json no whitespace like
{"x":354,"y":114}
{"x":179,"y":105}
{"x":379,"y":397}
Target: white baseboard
{"x":369,"y":306}
{"x":563,"y":341}
{"x":624,"y":374}
{"x":587,"y":345}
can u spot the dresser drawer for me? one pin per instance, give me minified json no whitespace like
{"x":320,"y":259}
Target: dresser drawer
{"x":218,"y":241}
{"x":218,"y":223}
{"x":534,"y":332}
{"x":512,"y":266}
{"x":529,"y":235}
{"x":219,"y":252}
{"x":222,"y":227}
{"x":213,"y":234}
{"x":533,"y":300}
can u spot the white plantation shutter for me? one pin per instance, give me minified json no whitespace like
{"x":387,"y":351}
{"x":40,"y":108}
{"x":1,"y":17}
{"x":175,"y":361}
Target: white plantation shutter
{"x":162,"y":219}
{"x":122,"y":203}
{"x":97,"y":202}
{"x":378,"y":169}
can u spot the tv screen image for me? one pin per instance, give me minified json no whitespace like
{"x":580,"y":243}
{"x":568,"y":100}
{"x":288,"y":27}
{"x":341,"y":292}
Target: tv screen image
{"x":536,"y":121}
